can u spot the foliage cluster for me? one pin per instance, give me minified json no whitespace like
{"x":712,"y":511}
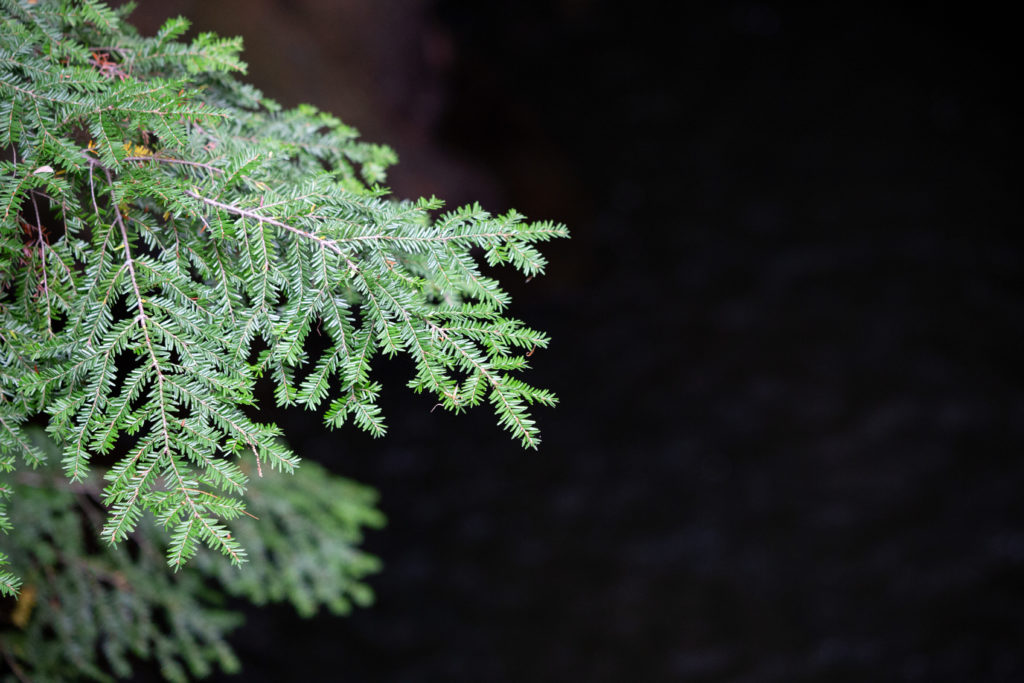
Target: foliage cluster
{"x":168,"y":236}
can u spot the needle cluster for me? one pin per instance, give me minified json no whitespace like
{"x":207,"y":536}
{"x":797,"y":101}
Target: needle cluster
{"x":168,"y":236}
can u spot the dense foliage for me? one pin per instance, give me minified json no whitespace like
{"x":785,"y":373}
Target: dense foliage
{"x":168,"y":236}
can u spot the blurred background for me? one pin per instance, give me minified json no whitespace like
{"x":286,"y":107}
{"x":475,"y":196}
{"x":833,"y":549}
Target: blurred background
{"x":786,"y":336}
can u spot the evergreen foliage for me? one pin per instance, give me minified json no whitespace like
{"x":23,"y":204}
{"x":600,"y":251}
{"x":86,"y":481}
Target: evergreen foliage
{"x":168,"y":236}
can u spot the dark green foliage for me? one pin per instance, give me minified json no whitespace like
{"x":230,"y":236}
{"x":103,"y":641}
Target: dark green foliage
{"x":86,"y":607}
{"x":168,"y":236}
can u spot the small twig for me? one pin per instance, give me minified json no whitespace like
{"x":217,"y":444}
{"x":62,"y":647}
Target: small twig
{"x":245,"y":213}
{"x":13,"y":663}
{"x":42,"y":258}
{"x":183,"y":162}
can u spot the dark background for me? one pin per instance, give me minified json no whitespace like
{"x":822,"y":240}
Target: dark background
{"x":786,"y":336}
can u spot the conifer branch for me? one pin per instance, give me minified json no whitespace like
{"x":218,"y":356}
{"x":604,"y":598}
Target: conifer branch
{"x":168,"y":236}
